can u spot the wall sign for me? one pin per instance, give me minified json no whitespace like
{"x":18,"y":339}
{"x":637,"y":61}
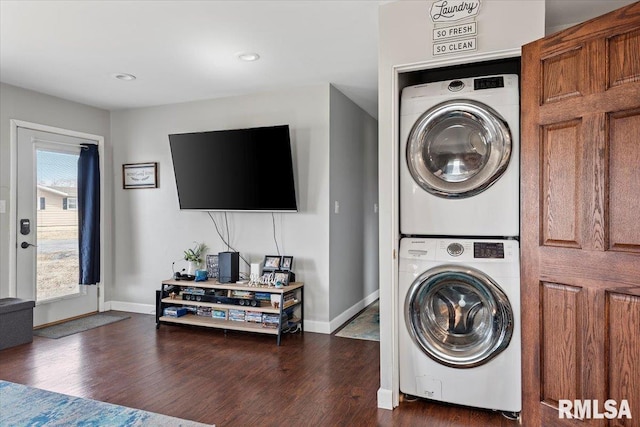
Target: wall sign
{"x":140,"y":175}
{"x":454,"y":10}
{"x":451,"y":39}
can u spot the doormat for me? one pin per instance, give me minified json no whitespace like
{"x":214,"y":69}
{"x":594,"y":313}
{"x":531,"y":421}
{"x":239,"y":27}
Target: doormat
{"x":21,"y":405}
{"x":364,"y":327}
{"x":78,"y":325}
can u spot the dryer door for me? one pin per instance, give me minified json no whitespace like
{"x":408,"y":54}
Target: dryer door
{"x":458,"y":148}
{"x":458,"y":316}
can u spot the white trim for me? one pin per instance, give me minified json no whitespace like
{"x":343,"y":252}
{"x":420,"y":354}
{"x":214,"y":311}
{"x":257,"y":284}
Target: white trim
{"x":352,"y":311}
{"x":13,"y":132}
{"x":445,"y":62}
{"x":317,"y":327}
{"x":385,"y":399}
{"x":131,"y":307}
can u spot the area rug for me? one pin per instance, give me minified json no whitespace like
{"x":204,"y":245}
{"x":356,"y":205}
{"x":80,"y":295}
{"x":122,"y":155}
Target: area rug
{"x":364,"y":327}
{"x":22,"y":405}
{"x":78,"y":325}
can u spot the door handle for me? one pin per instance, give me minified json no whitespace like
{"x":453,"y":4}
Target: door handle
{"x":25,"y":245}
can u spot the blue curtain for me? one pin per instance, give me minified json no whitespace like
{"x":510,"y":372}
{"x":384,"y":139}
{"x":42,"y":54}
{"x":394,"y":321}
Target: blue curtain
{"x":89,"y":214}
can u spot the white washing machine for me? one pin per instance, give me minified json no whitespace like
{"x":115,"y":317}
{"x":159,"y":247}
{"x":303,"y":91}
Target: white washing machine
{"x":459,"y":326}
{"x":460,"y":171}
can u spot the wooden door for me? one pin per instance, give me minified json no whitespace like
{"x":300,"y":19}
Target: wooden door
{"x":581,"y":219}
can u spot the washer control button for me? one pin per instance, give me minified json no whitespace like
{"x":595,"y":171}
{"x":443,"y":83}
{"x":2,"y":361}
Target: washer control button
{"x":455,"y":249}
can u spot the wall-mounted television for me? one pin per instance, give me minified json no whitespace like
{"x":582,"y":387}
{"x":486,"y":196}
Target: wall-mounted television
{"x":235,"y":170}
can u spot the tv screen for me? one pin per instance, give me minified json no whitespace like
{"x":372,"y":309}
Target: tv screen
{"x":234,"y":170}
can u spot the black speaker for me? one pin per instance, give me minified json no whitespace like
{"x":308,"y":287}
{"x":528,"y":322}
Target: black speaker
{"x":229,"y":267}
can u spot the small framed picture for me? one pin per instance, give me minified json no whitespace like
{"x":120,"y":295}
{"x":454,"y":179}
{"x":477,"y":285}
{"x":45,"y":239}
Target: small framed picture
{"x":282,"y":277}
{"x":212,"y":266}
{"x":287,"y":262}
{"x":139,"y":175}
{"x":272,"y":262}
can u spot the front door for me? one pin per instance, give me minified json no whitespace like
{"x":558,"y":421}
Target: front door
{"x":47,"y":266}
{"x":580,"y":228}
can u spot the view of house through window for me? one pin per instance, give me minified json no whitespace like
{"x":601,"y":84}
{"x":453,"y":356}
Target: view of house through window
{"x":57,"y":225}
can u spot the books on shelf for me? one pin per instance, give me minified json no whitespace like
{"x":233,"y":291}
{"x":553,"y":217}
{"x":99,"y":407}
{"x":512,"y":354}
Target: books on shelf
{"x":237,"y":315}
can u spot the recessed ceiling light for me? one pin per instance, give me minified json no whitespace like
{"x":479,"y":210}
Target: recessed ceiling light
{"x":248,"y":56}
{"x":124,"y":76}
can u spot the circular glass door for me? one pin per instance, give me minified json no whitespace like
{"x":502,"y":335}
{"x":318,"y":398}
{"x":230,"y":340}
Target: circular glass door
{"x":458,"y":148}
{"x":458,"y":316}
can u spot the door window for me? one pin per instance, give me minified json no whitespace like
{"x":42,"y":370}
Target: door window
{"x":458,"y":148}
{"x":458,"y":316}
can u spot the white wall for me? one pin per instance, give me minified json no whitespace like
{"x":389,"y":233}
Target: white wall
{"x":405,"y":44}
{"x":151,"y":230}
{"x":34,"y":107}
{"x":354,"y":229}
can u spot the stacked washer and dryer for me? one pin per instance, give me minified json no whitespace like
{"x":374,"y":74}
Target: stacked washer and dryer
{"x":459,"y":265}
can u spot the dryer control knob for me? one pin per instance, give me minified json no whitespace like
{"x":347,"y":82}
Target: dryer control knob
{"x":456,"y":85}
{"x":455,"y":249}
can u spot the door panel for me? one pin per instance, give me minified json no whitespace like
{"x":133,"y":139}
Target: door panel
{"x":580,"y":233}
{"x":623,"y":313}
{"x":624,"y":196}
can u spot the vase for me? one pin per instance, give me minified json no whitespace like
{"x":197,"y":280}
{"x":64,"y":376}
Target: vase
{"x":192,"y":266}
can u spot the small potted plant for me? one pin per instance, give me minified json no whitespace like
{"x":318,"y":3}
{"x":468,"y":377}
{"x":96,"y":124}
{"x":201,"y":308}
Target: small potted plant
{"x":193,"y":257}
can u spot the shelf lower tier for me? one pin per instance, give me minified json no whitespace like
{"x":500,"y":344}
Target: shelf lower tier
{"x":209,"y":322}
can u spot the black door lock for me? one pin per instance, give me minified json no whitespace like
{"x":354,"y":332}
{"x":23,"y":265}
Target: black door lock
{"x":25,"y":227}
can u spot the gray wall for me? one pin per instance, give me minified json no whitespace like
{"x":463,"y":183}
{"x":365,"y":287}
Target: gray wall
{"x":353,"y":185}
{"x":20,"y":104}
{"x":151,"y":230}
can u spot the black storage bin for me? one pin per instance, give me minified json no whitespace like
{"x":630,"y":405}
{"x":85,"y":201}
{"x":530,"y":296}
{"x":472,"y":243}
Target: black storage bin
{"x":16,"y":322}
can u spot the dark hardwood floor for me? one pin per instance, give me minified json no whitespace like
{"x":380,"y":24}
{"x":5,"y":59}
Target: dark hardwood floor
{"x":238,"y":379}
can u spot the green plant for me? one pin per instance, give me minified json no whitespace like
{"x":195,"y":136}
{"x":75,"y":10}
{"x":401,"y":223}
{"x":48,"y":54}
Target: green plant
{"x":195,"y":254}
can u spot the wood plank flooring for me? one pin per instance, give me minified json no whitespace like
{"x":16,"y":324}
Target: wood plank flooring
{"x":237,"y":379}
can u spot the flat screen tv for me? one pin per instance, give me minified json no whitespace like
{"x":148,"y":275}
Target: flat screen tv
{"x":235,"y":170}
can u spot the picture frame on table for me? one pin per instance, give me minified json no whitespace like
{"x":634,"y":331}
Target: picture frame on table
{"x":272,"y":262}
{"x":212,"y":266}
{"x":139,"y":175}
{"x":281,"y":276}
{"x":287,"y":263}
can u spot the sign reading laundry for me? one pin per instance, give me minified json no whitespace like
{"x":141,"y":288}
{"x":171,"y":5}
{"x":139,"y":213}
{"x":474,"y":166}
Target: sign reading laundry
{"x":469,"y":29}
{"x":454,"y":10}
{"x":455,"y":46}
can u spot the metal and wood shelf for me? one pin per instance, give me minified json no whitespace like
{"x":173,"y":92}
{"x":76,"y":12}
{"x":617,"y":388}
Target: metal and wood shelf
{"x":163,"y":300}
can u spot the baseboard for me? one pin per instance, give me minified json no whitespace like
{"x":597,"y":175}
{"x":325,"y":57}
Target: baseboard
{"x":352,"y":311}
{"x":131,"y":307}
{"x":385,"y":398}
{"x":317,"y":327}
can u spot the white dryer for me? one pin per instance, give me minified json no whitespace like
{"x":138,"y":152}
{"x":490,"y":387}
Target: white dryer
{"x":459,"y":326}
{"x":459,"y":171}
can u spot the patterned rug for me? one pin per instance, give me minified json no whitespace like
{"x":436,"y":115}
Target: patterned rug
{"x":21,"y":405}
{"x":78,"y":325}
{"x":364,"y":327}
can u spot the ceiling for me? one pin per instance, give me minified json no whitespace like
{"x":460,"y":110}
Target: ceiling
{"x":187,"y":50}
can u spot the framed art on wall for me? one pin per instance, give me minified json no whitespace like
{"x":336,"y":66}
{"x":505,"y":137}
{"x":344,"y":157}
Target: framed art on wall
{"x":139,"y":175}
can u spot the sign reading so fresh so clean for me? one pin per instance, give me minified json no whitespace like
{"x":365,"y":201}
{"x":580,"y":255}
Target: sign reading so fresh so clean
{"x":448,"y":39}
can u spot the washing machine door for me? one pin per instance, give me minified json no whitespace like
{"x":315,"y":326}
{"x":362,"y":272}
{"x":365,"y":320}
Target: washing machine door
{"x":458,"y":316}
{"x":458,"y":148}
